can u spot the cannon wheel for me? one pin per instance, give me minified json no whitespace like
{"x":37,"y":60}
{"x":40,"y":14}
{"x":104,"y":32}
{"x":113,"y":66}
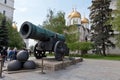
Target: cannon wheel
{"x":59,"y":50}
{"x":37,"y":53}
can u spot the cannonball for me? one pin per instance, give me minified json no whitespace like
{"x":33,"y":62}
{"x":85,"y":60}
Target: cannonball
{"x":14,"y":65}
{"x":22,"y":56}
{"x":29,"y":64}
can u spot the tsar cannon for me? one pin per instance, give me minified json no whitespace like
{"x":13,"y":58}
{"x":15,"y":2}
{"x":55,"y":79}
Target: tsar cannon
{"x":48,"y":41}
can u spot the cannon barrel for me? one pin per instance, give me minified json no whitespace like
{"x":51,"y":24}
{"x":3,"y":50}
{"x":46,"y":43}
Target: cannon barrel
{"x":29,"y":30}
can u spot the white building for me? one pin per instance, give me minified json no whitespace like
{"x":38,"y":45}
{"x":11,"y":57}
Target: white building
{"x":113,"y":4}
{"x":7,"y":8}
{"x":115,"y":50}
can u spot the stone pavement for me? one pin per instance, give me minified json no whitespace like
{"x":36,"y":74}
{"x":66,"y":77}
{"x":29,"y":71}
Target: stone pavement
{"x":89,"y":69}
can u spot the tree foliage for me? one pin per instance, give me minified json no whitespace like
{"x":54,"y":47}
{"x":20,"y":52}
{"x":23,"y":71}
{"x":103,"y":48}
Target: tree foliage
{"x":116,"y":21}
{"x":3,"y":31}
{"x":9,"y":35}
{"x":54,"y":22}
{"x":15,"y":38}
{"x":72,"y":34}
{"x":100,"y":16}
{"x":80,"y":46}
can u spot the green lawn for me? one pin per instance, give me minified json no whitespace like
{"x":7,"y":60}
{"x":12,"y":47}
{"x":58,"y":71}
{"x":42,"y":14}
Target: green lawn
{"x":94,"y":56}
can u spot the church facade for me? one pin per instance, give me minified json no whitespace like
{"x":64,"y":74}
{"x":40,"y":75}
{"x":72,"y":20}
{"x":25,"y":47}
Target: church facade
{"x":75,"y":18}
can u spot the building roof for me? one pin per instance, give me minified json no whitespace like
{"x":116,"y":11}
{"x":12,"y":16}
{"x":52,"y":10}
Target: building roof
{"x":74,"y":14}
{"x":84,"y":20}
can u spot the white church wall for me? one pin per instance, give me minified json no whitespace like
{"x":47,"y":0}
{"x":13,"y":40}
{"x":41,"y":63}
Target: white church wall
{"x":7,"y":8}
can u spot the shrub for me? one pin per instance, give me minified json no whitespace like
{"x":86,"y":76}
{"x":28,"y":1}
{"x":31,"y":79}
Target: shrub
{"x":83,"y":46}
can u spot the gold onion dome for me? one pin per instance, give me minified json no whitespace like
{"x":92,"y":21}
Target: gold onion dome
{"x":14,"y":26}
{"x":69,"y":15}
{"x":74,"y":14}
{"x":84,"y":20}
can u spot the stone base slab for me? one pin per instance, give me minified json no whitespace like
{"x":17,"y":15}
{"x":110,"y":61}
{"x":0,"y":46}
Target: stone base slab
{"x":53,"y":65}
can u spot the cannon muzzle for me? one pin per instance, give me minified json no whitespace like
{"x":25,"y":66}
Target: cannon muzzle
{"x":29,"y":30}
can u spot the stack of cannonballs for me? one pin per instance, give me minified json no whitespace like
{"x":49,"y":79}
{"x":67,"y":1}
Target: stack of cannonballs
{"x":22,"y":62}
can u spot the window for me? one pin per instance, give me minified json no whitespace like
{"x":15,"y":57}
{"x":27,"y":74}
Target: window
{"x":4,"y":12}
{"x":5,"y":1}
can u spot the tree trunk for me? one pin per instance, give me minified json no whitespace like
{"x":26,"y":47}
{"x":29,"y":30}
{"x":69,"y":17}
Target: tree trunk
{"x":83,"y":52}
{"x":103,"y":49}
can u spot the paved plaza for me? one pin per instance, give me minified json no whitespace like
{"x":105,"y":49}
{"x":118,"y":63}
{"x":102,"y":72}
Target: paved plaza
{"x":89,"y":69}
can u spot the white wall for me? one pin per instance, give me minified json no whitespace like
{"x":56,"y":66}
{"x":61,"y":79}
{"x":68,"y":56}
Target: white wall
{"x":113,"y":4}
{"x":8,"y":8}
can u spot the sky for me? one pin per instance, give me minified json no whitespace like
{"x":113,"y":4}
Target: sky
{"x":35,"y":11}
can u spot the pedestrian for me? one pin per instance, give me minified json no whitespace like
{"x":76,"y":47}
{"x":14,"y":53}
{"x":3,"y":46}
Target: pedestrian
{"x":4,"y":55}
{"x":11,"y":54}
{"x":15,"y":53}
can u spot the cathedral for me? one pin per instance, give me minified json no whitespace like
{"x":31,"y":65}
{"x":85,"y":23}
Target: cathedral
{"x":74,"y":18}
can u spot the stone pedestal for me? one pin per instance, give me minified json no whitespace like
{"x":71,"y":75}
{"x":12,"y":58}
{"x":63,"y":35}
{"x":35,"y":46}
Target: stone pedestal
{"x":53,"y":65}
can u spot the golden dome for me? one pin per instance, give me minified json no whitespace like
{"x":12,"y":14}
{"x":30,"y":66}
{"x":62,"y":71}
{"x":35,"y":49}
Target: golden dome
{"x":84,"y":20}
{"x":74,"y":14}
{"x":14,"y":26}
{"x":69,"y":15}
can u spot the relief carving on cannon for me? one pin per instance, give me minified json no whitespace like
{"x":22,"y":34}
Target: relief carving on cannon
{"x":48,"y":41}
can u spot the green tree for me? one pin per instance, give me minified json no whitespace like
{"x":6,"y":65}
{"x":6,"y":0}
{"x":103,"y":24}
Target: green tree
{"x":54,"y":22}
{"x":8,"y":35}
{"x":83,"y":46}
{"x":100,"y":16}
{"x":15,"y":39}
{"x":71,"y":33}
{"x":116,"y":21}
{"x":3,"y":31}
